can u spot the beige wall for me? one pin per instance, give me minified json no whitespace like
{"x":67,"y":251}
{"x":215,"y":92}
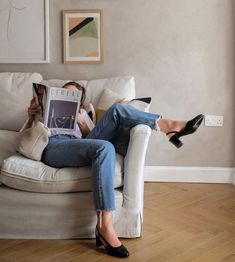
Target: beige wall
{"x":181,"y":53}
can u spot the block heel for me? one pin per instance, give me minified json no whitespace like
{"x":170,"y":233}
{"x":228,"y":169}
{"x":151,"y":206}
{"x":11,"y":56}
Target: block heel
{"x":98,"y":241}
{"x":175,"y":141}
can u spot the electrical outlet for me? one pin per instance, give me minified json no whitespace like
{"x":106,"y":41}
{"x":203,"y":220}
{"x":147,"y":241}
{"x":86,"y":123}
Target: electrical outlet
{"x":213,"y":120}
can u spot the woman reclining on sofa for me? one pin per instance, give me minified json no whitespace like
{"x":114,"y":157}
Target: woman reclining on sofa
{"x":95,"y":149}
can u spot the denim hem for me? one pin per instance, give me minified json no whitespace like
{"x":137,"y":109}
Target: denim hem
{"x":105,"y":209}
{"x":157,"y":128}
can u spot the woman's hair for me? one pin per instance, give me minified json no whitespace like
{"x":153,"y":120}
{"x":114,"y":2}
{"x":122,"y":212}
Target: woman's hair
{"x":79,"y":87}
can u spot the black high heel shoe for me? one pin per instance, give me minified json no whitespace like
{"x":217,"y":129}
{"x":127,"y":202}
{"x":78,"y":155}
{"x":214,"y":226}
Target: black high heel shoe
{"x":190,"y":128}
{"x":120,"y":251}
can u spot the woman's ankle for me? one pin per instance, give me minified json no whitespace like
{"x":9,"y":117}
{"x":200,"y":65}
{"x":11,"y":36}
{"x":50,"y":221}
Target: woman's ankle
{"x":104,"y":219}
{"x":105,"y":227}
{"x":166,"y":126}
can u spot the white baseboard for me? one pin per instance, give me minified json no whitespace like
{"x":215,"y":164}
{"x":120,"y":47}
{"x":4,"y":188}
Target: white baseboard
{"x":189,"y":174}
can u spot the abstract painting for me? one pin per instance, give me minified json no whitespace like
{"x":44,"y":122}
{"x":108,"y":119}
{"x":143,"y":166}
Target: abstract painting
{"x":83,"y":37}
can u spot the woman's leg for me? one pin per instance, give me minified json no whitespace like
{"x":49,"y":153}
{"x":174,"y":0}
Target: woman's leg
{"x":121,"y":116}
{"x":105,"y":227}
{"x":62,"y":151}
{"x":166,"y":126}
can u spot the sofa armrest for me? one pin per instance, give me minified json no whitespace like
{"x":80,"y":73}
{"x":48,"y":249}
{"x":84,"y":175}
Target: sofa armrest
{"x":133,"y":188}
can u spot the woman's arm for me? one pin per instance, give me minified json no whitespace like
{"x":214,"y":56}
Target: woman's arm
{"x":29,"y":123}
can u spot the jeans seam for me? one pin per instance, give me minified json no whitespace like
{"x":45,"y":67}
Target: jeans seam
{"x":100,"y":189}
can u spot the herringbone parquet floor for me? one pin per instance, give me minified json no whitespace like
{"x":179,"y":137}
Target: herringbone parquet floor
{"x":182,"y":222}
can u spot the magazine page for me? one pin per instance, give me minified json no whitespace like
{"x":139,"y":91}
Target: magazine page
{"x":59,"y":107}
{"x":40,"y":94}
{"x":62,"y":109}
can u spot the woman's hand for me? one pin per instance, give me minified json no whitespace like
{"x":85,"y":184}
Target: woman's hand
{"x":83,"y":125}
{"x":33,"y":109}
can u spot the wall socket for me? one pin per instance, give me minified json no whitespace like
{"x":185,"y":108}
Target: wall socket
{"x":213,"y":120}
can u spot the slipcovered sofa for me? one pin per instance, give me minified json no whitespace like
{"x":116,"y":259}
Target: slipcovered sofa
{"x":40,"y":202}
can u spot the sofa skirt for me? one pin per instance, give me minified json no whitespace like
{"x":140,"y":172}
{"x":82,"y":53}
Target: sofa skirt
{"x":27,"y":215}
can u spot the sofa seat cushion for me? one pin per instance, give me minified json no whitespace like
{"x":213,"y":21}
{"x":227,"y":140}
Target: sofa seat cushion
{"x":7,"y":140}
{"x":29,"y":175}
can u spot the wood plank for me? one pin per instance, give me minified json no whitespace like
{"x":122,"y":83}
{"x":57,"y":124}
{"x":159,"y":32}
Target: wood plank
{"x":182,"y":223}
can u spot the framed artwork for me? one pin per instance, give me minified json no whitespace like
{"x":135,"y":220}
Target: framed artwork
{"x":83,"y":36}
{"x":24,"y":31}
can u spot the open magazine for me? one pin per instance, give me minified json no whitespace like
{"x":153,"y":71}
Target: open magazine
{"x":59,"y":107}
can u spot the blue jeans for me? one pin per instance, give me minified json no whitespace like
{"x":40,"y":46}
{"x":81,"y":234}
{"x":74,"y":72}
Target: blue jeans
{"x":97,"y":150}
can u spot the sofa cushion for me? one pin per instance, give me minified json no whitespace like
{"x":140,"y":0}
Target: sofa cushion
{"x":15,"y":93}
{"x":60,"y":82}
{"x":29,"y":175}
{"x":107,"y":99}
{"x":123,"y":85}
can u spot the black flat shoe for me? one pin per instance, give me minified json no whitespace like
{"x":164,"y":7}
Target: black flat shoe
{"x":120,"y":251}
{"x":190,"y":128}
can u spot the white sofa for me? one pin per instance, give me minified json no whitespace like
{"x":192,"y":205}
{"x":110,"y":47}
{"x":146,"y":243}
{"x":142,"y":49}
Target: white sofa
{"x":40,"y":202}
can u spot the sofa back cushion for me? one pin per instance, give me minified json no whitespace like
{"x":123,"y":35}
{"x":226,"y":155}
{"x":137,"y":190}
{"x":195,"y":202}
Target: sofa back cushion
{"x":16,"y":93}
{"x":61,"y":82}
{"x":123,"y":85}
{"x":15,"y":96}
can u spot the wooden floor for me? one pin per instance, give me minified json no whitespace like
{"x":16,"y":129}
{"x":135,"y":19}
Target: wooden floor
{"x":182,"y":222}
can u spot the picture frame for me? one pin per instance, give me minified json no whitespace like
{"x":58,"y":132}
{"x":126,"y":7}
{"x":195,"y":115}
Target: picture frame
{"x":82,"y":36}
{"x":24,"y":31}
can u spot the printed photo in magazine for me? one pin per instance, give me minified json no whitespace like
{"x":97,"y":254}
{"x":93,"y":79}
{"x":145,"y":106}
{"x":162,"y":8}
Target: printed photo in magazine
{"x":59,"y":106}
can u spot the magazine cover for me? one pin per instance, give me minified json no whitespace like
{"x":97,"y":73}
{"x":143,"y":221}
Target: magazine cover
{"x":59,"y":106}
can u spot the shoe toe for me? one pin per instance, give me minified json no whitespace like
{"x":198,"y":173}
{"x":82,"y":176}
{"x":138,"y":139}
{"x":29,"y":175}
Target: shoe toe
{"x":120,"y":252}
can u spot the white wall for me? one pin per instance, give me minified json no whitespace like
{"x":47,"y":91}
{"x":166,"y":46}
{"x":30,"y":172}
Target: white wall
{"x":181,"y":53}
